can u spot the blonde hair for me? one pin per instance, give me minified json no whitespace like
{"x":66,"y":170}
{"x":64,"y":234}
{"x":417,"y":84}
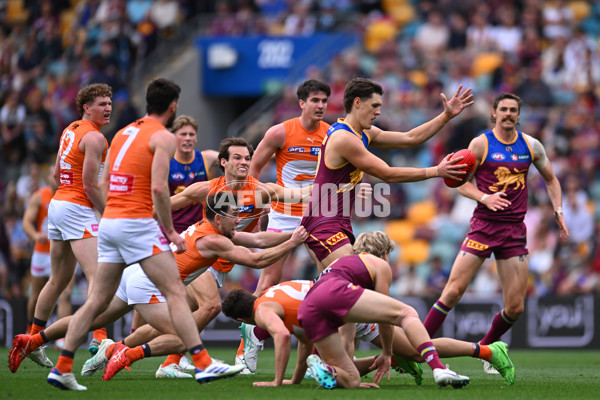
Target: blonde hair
{"x":184,"y":120}
{"x":377,"y":243}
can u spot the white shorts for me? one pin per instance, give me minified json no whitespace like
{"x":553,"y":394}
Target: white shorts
{"x":129,"y":240}
{"x":219,"y":276}
{"x":40,"y":264}
{"x":68,"y":221}
{"x":279,"y":222}
{"x":366,"y":331}
{"x":136,"y":288}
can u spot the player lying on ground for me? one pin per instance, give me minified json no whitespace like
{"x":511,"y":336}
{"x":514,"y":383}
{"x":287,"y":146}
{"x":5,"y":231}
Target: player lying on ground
{"x":276,"y":310}
{"x":206,"y":241}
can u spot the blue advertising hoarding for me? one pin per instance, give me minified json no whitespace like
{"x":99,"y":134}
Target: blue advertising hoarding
{"x":251,"y":66}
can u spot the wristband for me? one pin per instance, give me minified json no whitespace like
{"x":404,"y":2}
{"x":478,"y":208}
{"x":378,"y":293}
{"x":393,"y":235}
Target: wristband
{"x":427,"y":175}
{"x":558,"y":212}
{"x":485,"y":196}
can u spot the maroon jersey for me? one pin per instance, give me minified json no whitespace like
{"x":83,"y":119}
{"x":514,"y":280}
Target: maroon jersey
{"x":334,"y":193}
{"x":504,"y":169}
{"x":352,"y":268}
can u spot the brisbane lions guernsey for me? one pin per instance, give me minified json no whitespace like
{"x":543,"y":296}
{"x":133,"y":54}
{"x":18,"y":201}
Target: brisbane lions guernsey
{"x":334,"y":193}
{"x":182,"y":175}
{"x":504,"y":169}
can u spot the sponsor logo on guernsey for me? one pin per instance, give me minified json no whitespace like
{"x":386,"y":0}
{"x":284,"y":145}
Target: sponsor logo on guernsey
{"x":66,"y":177}
{"x":498,"y":156}
{"x":333,"y":240}
{"x":315,"y":151}
{"x":520,"y":157}
{"x":472,"y":244}
{"x":192,"y":175}
{"x":121,"y":183}
{"x":246,"y":209}
{"x":352,"y":286}
{"x":177,"y":176}
{"x":296,"y":149}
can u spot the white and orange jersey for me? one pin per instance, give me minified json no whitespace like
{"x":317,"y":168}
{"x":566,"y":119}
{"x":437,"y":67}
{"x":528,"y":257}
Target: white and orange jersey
{"x":248,"y":210}
{"x":191,"y":263}
{"x":130,"y":163}
{"x":289,"y":295}
{"x":41,"y":219}
{"x":297,"y":160}
{"x":71,"y":163}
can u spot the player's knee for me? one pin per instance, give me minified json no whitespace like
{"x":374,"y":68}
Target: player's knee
{"x":214,"y":308}
{"x":452,"y":295}
{"x":514,"y":311}
{"x":406,"y":316}
{"x":350,"y":381}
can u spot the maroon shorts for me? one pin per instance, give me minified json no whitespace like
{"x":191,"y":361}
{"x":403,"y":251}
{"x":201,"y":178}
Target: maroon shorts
{"x":326,"y":238}
{"x":325,"y":305}
{"x":503,"y":239}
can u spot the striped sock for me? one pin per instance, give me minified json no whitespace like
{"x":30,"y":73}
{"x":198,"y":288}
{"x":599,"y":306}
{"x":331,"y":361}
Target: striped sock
{"x":500,"y":325}
{"x":430,"y":355}
{"x":436,"y":317}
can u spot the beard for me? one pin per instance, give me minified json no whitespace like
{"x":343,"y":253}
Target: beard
{"x":171,"y":120}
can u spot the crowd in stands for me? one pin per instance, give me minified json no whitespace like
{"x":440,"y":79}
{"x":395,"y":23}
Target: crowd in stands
{"x":49,"y":49}
{"x":547,"y":52}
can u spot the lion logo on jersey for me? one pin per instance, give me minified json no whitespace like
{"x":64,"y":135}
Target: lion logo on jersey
{"x":506,"y":178}
{"x":355,"y":178}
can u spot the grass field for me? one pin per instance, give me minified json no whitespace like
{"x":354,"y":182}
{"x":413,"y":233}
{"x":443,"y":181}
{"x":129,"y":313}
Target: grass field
{"x":540,"y":375}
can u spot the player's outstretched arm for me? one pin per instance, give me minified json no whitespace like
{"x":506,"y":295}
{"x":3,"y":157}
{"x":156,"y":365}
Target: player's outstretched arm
{"x":267,"y":317}
{"x":260,"y":240}
{"x":220,"y":246}
{"x":422,"y":133}
{"x":352,"y":150}
{"x":272,"y":191}
{"x":195,"y":193}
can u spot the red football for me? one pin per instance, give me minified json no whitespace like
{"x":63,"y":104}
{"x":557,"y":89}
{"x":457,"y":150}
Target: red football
{"x":469,"y":159}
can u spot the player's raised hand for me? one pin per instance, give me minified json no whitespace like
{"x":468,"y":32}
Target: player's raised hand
{"x":299,"y":235}
{"x":458,"y":102}
{"x":451,"y":168}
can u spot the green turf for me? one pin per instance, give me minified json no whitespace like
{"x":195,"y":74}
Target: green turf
{"x":540,"y":375}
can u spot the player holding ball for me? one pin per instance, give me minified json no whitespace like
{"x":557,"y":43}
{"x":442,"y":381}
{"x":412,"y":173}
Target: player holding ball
{"x":503,"y":157}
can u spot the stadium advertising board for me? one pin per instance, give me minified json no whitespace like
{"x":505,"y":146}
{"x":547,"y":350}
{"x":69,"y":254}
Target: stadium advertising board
{"x":548,"y":322}
{"x":255,"y":65}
